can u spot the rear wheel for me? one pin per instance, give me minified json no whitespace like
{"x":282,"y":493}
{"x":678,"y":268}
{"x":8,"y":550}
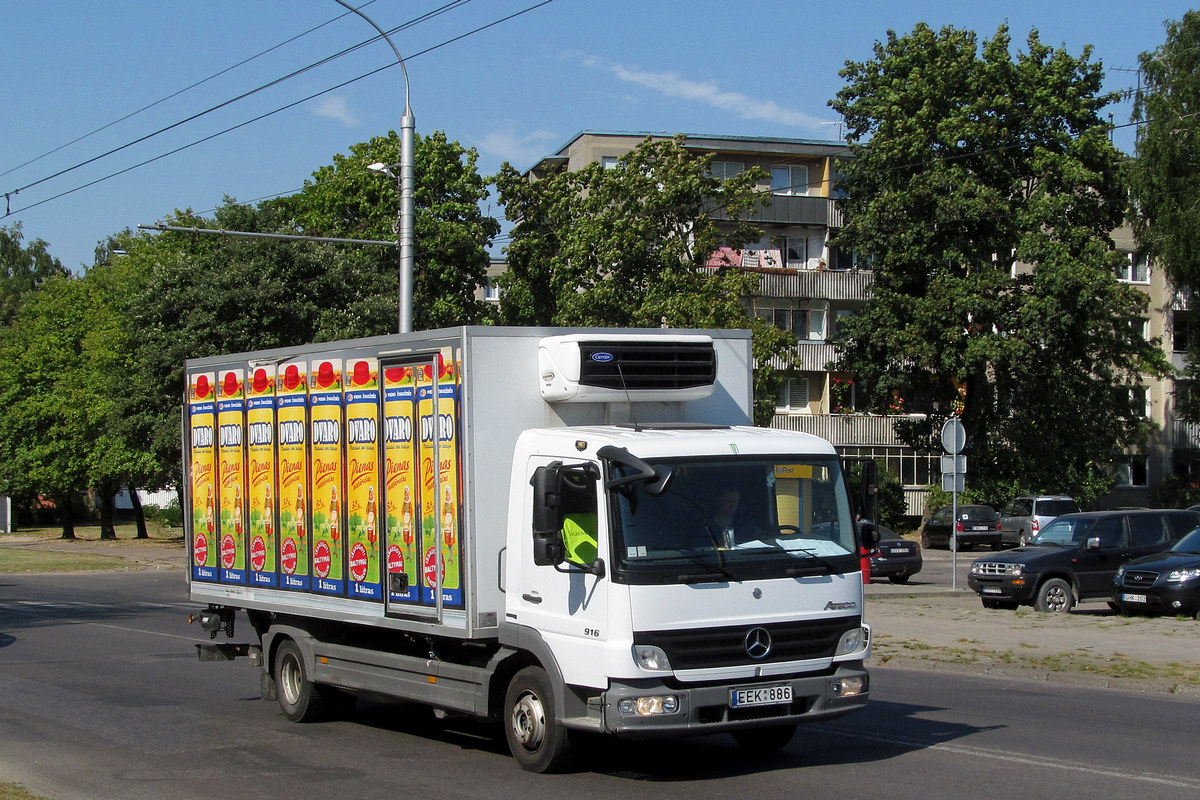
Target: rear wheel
{"x":1055,"y":596}
{"x":537,"y":741}
{"x":925,"y":540}
{"x":300,"y":698}
{"x":774,"y":737}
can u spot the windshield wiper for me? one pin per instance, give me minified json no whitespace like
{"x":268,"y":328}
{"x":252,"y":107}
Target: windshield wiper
{"x":714,"y":569}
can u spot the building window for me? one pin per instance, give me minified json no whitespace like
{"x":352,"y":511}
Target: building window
{"x":793,"y":395}
{"x":801,"y":252}
{"x":724,"y":170}
{"x":491,"y":292}
{"x":1134,"y":270}
{"x":1181,"y":331}
{"x":1133,"y":472}
{"x":806,"y":320}
{"x":610,"y":162}
{"x":849,"y":258}
{"x":790,"y":180}
{"x":1139,"y":400}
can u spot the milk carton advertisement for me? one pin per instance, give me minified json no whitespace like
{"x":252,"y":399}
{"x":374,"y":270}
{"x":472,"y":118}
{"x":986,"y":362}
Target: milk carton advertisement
{"x":231,"y":472}
{"x":260,"y":475}
{"x":400,"y":488}
{"x":202,"y":408}
{"x":291,"y":420}
{"x":363,"y":520}
{"x":325,"y":452}
{"x":437,"y":408}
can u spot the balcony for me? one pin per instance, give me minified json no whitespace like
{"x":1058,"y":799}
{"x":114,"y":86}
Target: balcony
{"x":844,"y":429}
{"x":829,"y":284}
{"x":790,"y":210}
{"x":1184,"y":435}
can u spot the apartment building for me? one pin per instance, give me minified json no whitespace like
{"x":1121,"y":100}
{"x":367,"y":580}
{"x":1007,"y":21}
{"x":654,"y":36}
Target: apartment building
{"x":807,"y":285}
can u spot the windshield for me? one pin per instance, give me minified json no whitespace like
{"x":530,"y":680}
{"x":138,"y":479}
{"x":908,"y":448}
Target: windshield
{"x":736,"y":518}
{"x":1188,"y":544}
{"x":1064,"y":532}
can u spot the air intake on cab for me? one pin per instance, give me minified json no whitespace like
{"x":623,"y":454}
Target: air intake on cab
{"x":626,"y":368}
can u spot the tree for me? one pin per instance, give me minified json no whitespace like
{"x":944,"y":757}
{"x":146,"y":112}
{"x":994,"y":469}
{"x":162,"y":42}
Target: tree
{"x":630,"y":247}
{"x":60,"y":363}
{"x":23,"y":268}
{"x":451,"y":232}
{"x":1164,"y":178}
{"x":985,"y":187}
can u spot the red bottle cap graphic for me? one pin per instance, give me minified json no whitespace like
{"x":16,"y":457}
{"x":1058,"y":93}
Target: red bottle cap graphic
{"x":362,"y":373}
{"x":325,"y":374}
{"x":202,"y":387}
{"x":230,"y":386}
{"x":261,"y":382}
{"x":291,"y":377}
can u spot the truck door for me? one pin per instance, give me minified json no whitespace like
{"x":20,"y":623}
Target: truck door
{"x":567,"y":604}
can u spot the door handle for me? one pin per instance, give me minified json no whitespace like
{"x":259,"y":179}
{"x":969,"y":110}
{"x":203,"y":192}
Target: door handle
{"x":531,"y":598}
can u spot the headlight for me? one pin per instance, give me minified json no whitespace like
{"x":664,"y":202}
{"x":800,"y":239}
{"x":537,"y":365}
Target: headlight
{"x":1181,"y":575}
{"x":1120,"y":574}
{"x":648,"y":706}
{"x":852,"y":641}
{"x":651,"y":658}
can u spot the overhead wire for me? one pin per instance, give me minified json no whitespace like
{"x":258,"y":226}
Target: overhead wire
{"x":178,"y":92}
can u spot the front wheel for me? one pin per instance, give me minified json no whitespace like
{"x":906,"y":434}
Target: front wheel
{"x":1055,"y":596}
{"x":537,"y":741}
{"x":774,"y":737}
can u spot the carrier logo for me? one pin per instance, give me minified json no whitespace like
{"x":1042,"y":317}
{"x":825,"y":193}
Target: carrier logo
{"x":758,"y":643}
{"x":602,"y":357}
{"x":832,"y":606}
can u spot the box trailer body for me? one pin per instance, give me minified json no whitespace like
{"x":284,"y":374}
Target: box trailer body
{"x":392,"y":516}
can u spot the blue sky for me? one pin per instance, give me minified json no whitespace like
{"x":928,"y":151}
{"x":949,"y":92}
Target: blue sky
{"x":515,"y":91}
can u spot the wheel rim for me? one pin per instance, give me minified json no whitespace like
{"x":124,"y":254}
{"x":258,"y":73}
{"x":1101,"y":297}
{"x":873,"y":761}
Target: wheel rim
{"x":528,"y":721}
{"x":291,"y":678}
{"x":1056,"y":598}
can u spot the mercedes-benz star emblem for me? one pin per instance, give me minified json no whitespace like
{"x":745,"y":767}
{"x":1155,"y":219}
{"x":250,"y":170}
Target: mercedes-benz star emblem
{"x":758,"y":643}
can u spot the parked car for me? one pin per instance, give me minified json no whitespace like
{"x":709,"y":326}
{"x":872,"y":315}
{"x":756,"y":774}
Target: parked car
{"x":895,"y":557}
{"x":974,"y":525}
{"x":1164,"y":583}
{"x":1025,"y":516}
{"x":1075,"y":557}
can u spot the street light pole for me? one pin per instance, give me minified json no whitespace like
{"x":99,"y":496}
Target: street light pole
{"x":408,"y":184}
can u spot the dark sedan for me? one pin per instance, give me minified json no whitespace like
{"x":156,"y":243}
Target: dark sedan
{"x":1163,"y":583}
{"x":974,"y":525}
{"x":895,"y":558}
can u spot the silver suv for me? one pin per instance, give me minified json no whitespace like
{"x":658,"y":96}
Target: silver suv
{"x":1021,"y":519}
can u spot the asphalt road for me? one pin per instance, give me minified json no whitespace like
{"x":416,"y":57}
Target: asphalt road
{"x":101,"y":696}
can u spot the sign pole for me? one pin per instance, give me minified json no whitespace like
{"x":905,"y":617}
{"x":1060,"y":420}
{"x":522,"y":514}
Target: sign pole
{"x":954,"y":466}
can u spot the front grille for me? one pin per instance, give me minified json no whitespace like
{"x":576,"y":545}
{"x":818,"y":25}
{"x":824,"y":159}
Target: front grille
{"x":724,"y":647}
{"x":647,"y":365}
{"x":1135,"y":577}
{"x":990,"y":568}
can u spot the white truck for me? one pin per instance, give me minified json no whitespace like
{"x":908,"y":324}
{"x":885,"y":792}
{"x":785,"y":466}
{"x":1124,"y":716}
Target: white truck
{"x":562,"y":530}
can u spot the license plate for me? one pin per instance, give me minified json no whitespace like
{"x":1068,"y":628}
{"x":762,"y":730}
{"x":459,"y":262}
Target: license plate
{"x":897,"y":551}
{"x":990,"y":590}
{"x":980,"y":528}
{"x":1134,"y":598}
{"x":760,"y":696}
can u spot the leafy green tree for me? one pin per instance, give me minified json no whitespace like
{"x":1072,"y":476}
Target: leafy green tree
{"x":23,"y":267}
{"x":1164,"y":178}
{"x":60,"y":361}
{"x":451,"y":232}
{"x":628,"y":247}
{"x":986,"y":188}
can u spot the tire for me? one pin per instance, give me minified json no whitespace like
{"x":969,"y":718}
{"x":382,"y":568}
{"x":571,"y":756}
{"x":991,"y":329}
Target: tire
{"x":764,"y":740}
{"x":1055,"y":596}
{"x":1023,"y":539}
{"x":898,"y":578}
{"x":300,"y":698}
{"x":537,"y":741}
{"x":925,"y":540}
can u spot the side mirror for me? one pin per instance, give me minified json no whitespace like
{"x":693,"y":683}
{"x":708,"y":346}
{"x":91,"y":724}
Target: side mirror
{"x":869,"y":533}
{"x":1093,"y":543}
{"x":548,"y":548}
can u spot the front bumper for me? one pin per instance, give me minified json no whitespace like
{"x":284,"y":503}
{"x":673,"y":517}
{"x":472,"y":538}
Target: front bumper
{"x":706,"y":709}
{"x":1174,"y":598}
{"x":1017,"y":589}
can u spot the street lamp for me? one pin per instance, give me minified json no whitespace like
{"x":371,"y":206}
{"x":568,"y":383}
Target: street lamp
{"x":407,"y":181}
